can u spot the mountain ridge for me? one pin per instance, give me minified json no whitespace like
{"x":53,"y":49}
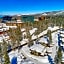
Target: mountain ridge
{"x":39,"y":14}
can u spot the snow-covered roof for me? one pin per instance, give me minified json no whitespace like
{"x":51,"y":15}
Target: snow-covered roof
{"x":23,"y":29}
{"x":24,"y":33}
{"x":12,"y":26}
{"x":36,"y":19}
{"x":49,"y":49}
{"x":3,"y":24}
{"x":4,"y":29}
{"x":62,"y":32}
{"x":49,"y":28}
{"x":43,"y":40}
{"x":32,"y":31}
{"x":24,"y":41}
{"x":42,"y":33}
{"x":43,"y":52}
{"x":18,"y":20}
{"x":7,"y":28}
{"x":37,"y":47}
{"x":34,"y":37}
{"x":62,"y":35}
{"x":62,"y":39}
{"x":43,"y":60}
{"x":6,"y":37}
{"x":54,"y":28}
{"x":1,"y":29}
{"x":62,"y":45}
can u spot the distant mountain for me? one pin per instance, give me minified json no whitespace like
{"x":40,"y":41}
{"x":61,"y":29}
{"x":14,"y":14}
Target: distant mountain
{"x":54,"y":13}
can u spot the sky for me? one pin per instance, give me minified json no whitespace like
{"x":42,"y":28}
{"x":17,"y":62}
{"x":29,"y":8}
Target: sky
{"x":30,"y":6}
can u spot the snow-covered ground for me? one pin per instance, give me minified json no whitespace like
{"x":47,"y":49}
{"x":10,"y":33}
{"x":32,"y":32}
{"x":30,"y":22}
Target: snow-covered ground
{"x":39,"y":59}
{"x":52,"y":49}
{"x":20,"y":57}
{"x":54,"y":28}
{"x":25,"y":50}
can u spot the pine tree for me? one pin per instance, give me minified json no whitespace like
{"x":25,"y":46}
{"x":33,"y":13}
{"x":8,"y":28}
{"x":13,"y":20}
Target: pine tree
{"x":58,"y":56}
{"x":50,"y":36}
{"x":59,"y":53}
{"x":0,"y":54}
{"x":12,"y":36}
{"x":18,"y":36}
{"x":5,"y":54}
{"x":30,"y":43}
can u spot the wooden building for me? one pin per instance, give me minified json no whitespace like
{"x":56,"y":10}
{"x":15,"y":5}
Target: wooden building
{"x":41,"y":18}
{"x":15,"y":24}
